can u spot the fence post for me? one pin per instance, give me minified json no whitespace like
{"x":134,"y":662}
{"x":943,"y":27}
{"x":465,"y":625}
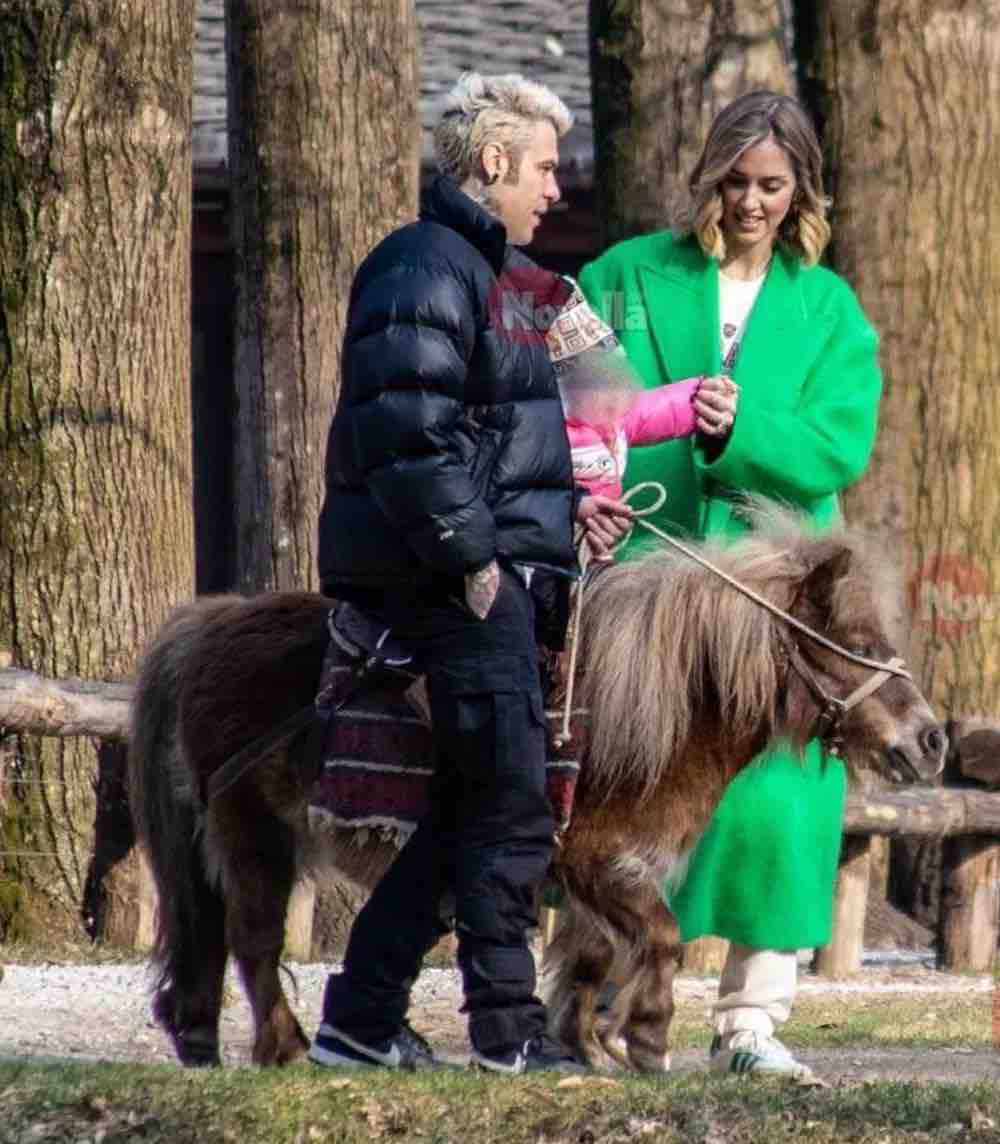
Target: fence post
{"x":842,"y":957}
{"x":970,"y":894}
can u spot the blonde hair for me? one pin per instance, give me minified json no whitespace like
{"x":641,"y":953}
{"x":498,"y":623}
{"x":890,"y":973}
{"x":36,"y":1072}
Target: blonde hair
{"x":501,"y":109}
{"x":743,"y":124}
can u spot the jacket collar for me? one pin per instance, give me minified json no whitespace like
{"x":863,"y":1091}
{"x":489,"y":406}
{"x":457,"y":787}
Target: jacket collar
{"x":681,"y":296}
{"x":445,"y":203}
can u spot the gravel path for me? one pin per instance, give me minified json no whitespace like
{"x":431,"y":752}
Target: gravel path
{"x":101,"y":1013}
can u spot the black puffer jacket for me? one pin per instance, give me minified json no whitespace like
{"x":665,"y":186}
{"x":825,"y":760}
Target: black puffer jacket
{"x":448,"y":445}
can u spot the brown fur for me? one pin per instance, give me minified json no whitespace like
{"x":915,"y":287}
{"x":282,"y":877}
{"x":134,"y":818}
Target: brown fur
{"x":686,"y":680}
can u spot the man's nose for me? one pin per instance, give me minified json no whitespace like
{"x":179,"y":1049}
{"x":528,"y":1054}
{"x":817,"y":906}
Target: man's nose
{"x":552,"y":192}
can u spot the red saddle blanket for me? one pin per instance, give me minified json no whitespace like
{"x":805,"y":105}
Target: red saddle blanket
{"x":379,"y":756}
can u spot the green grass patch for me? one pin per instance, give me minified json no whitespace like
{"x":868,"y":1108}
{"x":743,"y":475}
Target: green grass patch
{"x":877,"y":1020}
{"x":164,"y":1105}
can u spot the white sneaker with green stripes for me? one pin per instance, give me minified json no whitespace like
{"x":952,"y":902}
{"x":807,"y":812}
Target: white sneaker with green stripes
{"x":748,"y":1052}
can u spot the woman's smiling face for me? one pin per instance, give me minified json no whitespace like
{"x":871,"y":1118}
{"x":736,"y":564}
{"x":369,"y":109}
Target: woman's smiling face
{"x":756,"y":196}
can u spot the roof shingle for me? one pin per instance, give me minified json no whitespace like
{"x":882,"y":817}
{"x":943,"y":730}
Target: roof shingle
{"x":546,"y":40}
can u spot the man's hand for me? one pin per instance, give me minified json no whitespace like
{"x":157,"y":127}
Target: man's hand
{"x":605,"y":521}
{"x":481,"y":589}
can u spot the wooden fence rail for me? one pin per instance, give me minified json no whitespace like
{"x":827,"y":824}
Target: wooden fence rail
{"x":967,"y":819}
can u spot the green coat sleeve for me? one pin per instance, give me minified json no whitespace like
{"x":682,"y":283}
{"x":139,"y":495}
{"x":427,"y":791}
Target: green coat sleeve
{"x":821,"y":444}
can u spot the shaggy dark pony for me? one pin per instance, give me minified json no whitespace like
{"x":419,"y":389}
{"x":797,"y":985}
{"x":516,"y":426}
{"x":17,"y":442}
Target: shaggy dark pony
{"x":686,"y":680}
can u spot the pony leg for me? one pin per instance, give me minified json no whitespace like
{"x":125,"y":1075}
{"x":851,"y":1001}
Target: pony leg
{"x":258,"y":873}
{"x":620,"y":925}
{"x":646,"y":1026}
{"x":577,"y":962}
{"x":189,"y":999}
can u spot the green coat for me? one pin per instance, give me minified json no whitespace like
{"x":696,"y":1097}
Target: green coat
{"x":763,"y":873}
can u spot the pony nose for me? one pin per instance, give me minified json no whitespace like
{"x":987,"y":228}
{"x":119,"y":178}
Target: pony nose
{"x":933,"y":742}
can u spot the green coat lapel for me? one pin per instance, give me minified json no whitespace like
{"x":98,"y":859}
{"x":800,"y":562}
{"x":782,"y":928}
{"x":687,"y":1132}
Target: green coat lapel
{"x":782,"y":340}
{"x":681,"y":302}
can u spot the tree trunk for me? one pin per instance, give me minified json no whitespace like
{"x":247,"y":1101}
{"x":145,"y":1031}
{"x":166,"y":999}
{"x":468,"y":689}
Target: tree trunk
{"x":95,"y":433}
{"x":660,"y":72}
{"x":905,"y":89}
{"x":323,"y":151}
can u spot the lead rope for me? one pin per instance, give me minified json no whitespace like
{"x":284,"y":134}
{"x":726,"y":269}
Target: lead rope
{"x":564,"y":734}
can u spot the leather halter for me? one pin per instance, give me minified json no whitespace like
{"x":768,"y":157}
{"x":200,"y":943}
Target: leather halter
{"x":829,"y":724}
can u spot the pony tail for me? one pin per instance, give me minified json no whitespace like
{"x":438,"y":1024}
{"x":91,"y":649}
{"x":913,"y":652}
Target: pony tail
{"x":167,"y":811}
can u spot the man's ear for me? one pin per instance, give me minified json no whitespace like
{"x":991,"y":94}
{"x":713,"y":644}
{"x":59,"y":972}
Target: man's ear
{"x":495,"y":163}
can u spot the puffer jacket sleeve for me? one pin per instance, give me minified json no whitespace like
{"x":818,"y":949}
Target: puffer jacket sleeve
{"x":410,"y":337}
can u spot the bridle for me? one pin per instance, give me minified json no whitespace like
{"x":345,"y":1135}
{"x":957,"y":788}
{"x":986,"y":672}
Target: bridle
{"x":833,"y":710}
{"x":829,"y":725}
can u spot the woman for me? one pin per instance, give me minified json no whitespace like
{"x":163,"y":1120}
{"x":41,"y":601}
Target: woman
{"x":792,"y":389}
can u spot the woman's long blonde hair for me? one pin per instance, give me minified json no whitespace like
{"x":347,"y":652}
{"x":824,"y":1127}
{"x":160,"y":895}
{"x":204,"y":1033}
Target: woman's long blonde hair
{"x":739,"y":126}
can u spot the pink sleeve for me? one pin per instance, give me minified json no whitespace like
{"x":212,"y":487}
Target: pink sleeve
{"x":662,"y":413}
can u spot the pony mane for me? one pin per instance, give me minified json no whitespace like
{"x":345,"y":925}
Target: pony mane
{"x":661,"y":625}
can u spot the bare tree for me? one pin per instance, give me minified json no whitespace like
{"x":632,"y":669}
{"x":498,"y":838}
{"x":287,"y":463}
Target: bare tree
{"x":95,"y":432}
{"x":323,"y":145}
{"x":661,"y":70}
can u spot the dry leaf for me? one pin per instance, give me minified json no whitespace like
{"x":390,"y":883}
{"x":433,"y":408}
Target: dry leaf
{"x":979,"y":1120}
{"x":811,"y":1080}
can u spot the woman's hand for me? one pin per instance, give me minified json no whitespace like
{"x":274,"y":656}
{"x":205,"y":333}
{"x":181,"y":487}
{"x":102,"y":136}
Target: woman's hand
{"x":715,"y":406}
{"x":605,"y":521}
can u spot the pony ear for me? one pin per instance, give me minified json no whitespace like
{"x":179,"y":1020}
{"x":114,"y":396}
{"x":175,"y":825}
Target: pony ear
{"x":819,"y":583}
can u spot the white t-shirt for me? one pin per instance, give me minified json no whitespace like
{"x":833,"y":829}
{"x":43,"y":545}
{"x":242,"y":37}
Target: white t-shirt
{"x":736,"y":299}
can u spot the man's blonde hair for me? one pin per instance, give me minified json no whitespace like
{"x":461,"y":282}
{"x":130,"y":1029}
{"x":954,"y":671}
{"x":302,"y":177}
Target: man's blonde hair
{"x":501,"y":109}
{"x":739,"y":126}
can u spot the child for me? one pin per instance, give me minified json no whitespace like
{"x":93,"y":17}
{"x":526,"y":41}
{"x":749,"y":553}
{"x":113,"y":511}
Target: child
{"x":606,"y":408}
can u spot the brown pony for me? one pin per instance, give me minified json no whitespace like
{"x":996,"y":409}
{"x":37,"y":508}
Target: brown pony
{"x":686,"y":680}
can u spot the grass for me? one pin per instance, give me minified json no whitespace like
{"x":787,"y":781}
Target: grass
{"x":833,"y":1020}
{"x":162,"y":1105}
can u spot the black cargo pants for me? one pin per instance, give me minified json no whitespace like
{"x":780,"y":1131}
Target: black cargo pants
{"x":485,"y":844}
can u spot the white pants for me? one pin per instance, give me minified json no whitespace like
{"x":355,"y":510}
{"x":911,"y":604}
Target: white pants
{"x":756,"y":989}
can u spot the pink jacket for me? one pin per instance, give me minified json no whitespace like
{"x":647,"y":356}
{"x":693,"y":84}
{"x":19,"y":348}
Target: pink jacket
{"x":600,"y":452}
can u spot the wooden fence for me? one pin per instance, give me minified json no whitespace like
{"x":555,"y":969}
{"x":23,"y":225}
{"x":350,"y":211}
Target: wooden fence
{"x":966,"y":818}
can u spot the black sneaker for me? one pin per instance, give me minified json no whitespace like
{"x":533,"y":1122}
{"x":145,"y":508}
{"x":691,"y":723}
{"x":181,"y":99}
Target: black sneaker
{"x":406,"y":1050}
{"x":540,"y":1054}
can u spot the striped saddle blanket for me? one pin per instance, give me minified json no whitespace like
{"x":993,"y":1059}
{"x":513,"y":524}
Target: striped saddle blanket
{"x":378,"y":755}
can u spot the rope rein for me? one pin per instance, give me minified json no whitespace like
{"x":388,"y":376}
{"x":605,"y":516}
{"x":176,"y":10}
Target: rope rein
{"x":884,"y":670}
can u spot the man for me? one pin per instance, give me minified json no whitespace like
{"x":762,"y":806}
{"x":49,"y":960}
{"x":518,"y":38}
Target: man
{"x":449,"y":486}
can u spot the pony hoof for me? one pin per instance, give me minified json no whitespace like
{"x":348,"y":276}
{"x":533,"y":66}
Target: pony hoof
{"x":648,"y":1060}
{"x":194,"y":1053}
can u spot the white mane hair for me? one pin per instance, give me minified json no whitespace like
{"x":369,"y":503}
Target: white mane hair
{"x":659,"y":631}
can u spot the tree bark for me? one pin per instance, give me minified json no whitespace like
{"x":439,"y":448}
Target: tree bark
{"x":95,"y":433}
{"x":907,"y":90}
{"x":323,"y":138}
{"x":661,"y":70}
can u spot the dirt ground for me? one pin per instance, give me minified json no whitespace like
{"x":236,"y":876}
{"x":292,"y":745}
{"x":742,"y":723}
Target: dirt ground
{"x":101,"y":1013}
